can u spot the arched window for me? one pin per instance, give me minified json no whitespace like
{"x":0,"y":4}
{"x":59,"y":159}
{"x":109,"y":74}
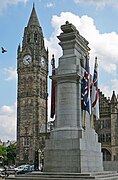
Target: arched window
{"x":26,"y":154}
{"x":29,"y":85}
{"x":103,"y":138}
{"x":43,"y":89}
{"x":40,"y":87}
{"x":106,"y":155}
{"x":28,"y":38}
{"x":25,"y":85}
{"x":26,"y":141}
{"x":35,"y":37}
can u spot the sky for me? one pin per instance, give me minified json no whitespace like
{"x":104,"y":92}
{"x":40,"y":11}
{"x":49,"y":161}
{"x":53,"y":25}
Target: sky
{"x":96,"y":20}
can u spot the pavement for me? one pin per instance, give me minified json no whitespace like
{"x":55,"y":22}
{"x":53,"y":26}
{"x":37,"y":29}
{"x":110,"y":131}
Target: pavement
{"x":11,"y":175}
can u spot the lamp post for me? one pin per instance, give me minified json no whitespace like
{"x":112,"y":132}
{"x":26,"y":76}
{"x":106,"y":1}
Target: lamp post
{"x":39,"y":152}
{"x":36,"y":161}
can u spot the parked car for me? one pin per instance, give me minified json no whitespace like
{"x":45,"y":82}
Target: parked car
{"x":2,"y":169}
{"x":23,"y":169}
{"x":3,"y":172}
{"x":19,"y":167}
{"x":32,"y":167}
{"x":12,"y":166}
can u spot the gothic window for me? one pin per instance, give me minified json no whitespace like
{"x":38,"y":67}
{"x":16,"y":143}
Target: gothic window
{"x":40,"y":87}
{"x":106,"y":155}
{"x":107,"y":137}
{"x":108,"y":124}
{"x":105,"y":124}
{"x":26,"y":141}
{"x":26,"y":130}
{"x":26,"y":154}
{"x":43,"y":88}
{"x":24,"y":84}
{"x":29,"y":85}
{"x":42,"y":113}
{"x":28,"y":38}
{"x":35,"y":37}
{"x":103,"y":138}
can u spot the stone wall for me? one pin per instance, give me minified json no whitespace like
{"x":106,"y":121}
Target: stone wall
{"x":110,"y":165}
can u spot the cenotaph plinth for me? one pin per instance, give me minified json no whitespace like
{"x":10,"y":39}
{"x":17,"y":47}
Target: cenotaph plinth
{"x":71,"y":148}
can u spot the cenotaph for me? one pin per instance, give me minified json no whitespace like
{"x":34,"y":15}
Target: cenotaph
{"x":71,"y":148}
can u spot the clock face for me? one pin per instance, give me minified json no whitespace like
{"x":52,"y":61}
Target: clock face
{"x":27,"y":59}
{"x":42,"y":61}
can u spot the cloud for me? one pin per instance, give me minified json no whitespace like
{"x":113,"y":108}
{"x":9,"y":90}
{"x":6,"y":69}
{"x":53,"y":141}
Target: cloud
{"x":100,"y":3}
{"x":11,"y":73}
{"x":102,"y":45}
{"x":49,"y":5}
{"x":108,"y":90}
{"x":8,"y":122}
{"x":114,"y":83}
{"x":5,"y":3}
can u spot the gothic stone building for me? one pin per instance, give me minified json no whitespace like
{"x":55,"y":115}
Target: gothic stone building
{"x":32,"y":69}
{"x":107,"y":127}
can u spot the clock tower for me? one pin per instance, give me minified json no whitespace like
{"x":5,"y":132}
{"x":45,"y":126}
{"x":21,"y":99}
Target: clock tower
{"x":32,"y":69}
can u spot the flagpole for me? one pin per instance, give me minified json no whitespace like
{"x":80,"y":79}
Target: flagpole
{"x":95,"y":94}
{"x":92,"y":120}
{"x":85,"y":91}
{"x":47,"y":95}
{"x":53,"y":88}
{"x":84,"y":113}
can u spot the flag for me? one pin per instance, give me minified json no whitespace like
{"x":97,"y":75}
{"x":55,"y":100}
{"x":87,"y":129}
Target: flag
{"x":95,"y":93}
{"x":53,"y":89}
{"x":85,"y":88}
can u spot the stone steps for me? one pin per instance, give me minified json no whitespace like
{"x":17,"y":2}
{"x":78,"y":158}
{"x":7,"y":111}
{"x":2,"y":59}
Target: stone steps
{"x":112,"y":175}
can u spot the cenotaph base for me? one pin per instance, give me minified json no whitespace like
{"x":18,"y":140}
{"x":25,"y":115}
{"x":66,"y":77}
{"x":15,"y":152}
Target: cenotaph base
{"x":71,"y":148}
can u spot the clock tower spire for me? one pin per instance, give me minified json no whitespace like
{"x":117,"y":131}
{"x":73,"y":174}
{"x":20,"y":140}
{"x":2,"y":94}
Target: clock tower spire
{"x":33,"y":18}
{"x":33,"y":35}
{"x":32,"y":69}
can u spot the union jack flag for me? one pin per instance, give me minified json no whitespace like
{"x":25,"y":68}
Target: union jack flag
{"x":53,"y":89}
{"x":95,"y":93}
{"x":85,"y":88}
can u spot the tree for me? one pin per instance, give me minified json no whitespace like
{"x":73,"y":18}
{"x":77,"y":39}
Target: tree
{"x":3,"y":152}
{"x":8,"y":153}
{"x":11,"y":154}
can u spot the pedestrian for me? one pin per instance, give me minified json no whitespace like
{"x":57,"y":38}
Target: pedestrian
{"x":42,"y":162}
{"x":5,"y":172}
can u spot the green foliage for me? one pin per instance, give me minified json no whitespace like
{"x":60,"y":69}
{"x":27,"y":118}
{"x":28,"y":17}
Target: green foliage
{"x":3,"y":152}
{"x":9,"y":154}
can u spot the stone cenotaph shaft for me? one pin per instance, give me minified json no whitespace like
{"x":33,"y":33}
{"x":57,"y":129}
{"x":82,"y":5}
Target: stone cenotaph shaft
{"x":71,"y":148}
